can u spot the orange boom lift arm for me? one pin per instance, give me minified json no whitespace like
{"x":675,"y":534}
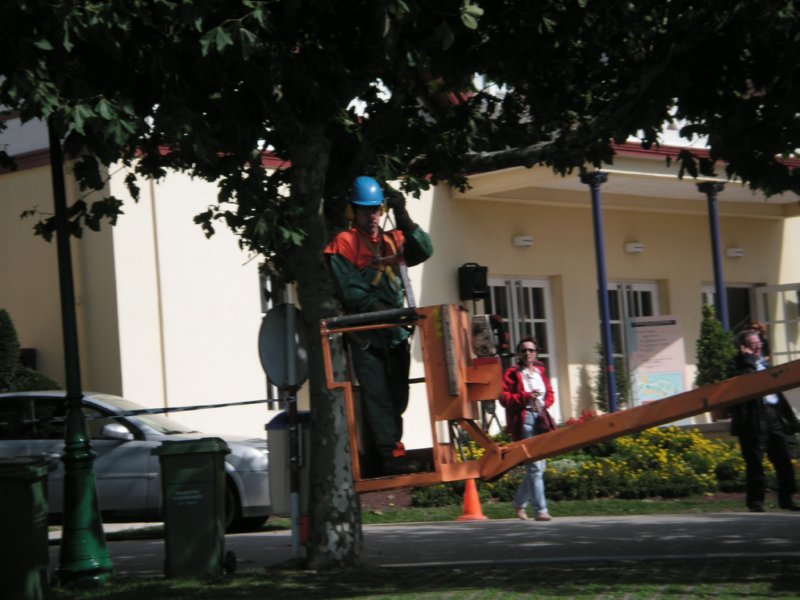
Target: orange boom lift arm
{"x":456,"y":381}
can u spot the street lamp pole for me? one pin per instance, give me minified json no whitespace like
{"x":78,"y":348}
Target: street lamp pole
{"x":83,"y":558}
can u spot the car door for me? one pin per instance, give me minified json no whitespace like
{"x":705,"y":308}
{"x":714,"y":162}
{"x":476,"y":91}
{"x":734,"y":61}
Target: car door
{"x":126,"y":474}
{"x":125,"y":470}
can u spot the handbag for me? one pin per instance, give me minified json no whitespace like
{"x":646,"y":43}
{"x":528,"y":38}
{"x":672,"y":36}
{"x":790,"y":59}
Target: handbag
{"x":544,"y":422}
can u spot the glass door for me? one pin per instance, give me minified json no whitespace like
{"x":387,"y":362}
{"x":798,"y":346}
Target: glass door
{"x":628,"y":301}
{"x":740,"y":312}
{"x":525,"y":305}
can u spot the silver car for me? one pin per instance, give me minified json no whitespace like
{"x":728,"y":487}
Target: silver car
{"x":128,"y":475}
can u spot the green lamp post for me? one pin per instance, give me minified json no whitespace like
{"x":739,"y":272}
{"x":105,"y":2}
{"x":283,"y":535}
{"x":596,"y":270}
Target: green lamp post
{"x":83,"y":558}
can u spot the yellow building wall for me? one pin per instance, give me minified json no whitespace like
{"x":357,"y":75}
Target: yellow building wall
{"x":189,"y":309}
{"x":28,"y":269}
{"x":165,"y":316}
{"x":677,"y":257}
{"x":170,"y":318}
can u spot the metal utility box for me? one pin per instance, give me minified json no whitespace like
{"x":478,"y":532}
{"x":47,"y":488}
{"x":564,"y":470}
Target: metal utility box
{"x":193,"y":492}
{"x":279,"y":465}
{"x":25,"y":553}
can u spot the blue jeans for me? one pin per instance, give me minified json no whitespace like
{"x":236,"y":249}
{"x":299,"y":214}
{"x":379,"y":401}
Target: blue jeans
{"x":532,"y":487}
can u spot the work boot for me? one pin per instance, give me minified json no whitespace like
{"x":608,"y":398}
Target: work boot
{"x":400,"y":465}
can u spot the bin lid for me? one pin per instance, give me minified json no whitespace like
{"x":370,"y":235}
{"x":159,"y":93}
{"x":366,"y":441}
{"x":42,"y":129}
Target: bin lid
{"x":209,"y":444}
{"x":281,"y":420}
{"x":26,"y":467}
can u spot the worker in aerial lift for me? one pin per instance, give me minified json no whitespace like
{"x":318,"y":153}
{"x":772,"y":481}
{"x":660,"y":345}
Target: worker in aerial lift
{"x":763,"y":425}
{"x":527,"y":394}
{"x":368,"y":265}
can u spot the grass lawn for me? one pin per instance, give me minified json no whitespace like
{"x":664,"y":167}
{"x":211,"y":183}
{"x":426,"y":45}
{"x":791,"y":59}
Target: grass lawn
{"x":564,"y":508}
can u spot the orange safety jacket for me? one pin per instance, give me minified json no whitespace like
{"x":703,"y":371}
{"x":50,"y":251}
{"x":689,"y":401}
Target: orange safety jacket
{"x":363,"y":250}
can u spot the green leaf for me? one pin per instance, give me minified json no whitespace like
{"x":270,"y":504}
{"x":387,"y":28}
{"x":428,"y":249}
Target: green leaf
{"x":469,"y":21}
{"x":80,"y":114}
{"x":261,"y":229}
{"x":222,"y":39}
{"x":258,"y":15}
{"x":472,"y":9}
{"x":469,"y":14}
{"x":87,"y":172}
{"x":105,"y":109}
{"x":445,"y":32}
{"x":43,"y":44}
{"x":205,"y":42}
{"x":133,"y":187}
{"x":68,"y":45}
{"x":249,"y":42}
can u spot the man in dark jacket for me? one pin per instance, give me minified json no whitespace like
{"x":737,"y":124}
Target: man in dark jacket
{"x":365,"y":262}
{"x":763,"y":425}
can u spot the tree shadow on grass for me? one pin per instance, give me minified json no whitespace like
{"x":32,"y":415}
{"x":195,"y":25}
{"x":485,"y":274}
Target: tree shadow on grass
{"x":751,"y":578}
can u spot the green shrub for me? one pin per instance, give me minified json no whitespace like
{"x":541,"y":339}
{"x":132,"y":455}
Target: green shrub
{"x":504,"y":488}
{"x":9,"y":349}
{"x":443,"y":494}
{"x":715,"y":349}
{"x":621,"y":379}
{"x":13,"y":376}
{"x":668,"y":462}
{"x":28,"y":380}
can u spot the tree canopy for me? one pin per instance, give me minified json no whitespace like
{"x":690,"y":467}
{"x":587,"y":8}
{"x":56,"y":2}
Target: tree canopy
{"x":218,"y":83}
{"x":419,"y":92}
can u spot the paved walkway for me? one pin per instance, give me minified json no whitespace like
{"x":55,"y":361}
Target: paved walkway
{"x":508,"y":542}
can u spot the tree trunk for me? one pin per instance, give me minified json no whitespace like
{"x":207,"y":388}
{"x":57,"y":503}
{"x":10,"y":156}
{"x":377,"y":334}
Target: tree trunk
{"x":335,"y":536}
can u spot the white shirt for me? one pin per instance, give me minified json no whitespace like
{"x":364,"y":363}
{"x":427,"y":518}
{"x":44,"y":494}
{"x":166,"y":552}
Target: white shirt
{"x":533,"y":382}
{"x":769,"y":398}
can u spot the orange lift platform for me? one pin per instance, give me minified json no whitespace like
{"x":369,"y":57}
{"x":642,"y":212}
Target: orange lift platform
{"x":457,"y":380}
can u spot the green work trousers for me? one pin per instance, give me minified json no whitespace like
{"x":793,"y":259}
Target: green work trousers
{"x":383,"y":378}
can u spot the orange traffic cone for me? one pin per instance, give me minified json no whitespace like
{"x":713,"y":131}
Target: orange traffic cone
{"x":472,"y":503}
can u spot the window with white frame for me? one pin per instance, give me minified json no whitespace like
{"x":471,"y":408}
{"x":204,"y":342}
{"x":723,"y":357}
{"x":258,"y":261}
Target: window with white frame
{"x":778,"y":307}
{"x":628,"y":301}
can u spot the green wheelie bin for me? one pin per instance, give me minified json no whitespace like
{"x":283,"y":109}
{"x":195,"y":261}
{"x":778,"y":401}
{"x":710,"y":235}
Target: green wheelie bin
{"x":193,"y":496}
{"x":25,"y":552}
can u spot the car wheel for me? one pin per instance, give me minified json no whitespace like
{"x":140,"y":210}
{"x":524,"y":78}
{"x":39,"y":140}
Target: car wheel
{"x":249,"y":524}
{"x":234,"y":521}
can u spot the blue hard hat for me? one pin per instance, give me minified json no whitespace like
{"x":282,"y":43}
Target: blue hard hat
{"x":366,"y":192}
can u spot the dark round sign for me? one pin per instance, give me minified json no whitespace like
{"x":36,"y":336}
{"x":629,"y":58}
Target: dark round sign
{"x":282,"y":347}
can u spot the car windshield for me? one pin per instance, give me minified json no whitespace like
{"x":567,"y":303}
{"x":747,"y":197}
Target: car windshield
{"x":149,"y":423}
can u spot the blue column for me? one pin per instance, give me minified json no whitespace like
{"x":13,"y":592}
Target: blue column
{"x":594,"y":181}
{"x":711,"y":189}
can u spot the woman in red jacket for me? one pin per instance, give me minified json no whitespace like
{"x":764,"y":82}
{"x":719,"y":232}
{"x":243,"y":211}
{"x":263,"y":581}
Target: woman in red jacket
{"x":526,"y":393}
